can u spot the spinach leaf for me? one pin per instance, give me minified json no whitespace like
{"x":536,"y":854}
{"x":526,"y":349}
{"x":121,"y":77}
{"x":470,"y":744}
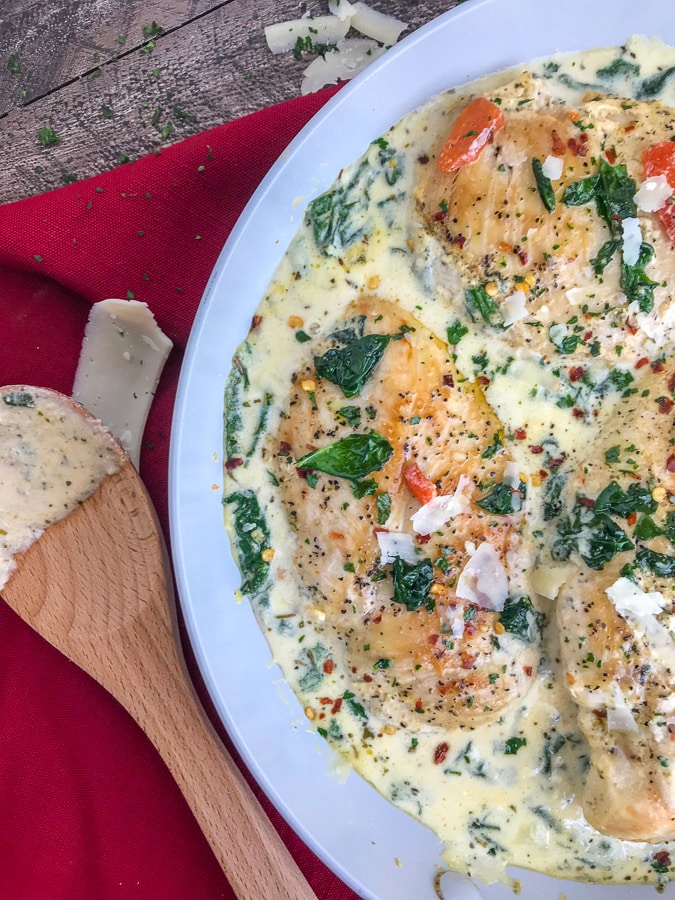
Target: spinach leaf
{"x":334,"y":215}
{"x":581,"y":193}
{"x":646,"y":529}
{"x":18,"y":398}
{"x":312,"y":658}
{"x":391,"y":163}
{"x":351,"y":415}
{"x":634,"y":281}
{"x":480,"y":305}
{"x":503,"y":499}
{"x":553,"y":488}
{"x":592,"y":534}
{"x":251,"y":537}
{"x":618,"y":68}
{"x":653,"y":85}
{"x":350,"y":367}
{"x":615,"y":501}
{"x":354,"y":705}
{"x":513,"y":744}
{"x":605,"y":255}
{"x":353,"y":457}
{"x":544,"y":185}
{"x":383,"y":503}
{"x":412,"y":582}
{"x":553,"y":744}
{"x":456,"y":332}
{"x":364,"y":488}
{"x":657,"y":563}
{"x":519,"y":617}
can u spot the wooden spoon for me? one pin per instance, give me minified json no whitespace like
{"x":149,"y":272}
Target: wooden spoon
{"x":97,"y":586}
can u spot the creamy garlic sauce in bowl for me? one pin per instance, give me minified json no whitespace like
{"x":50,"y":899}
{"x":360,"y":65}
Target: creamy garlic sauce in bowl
{"x":427,"y":343}
{"x":52,"y":461}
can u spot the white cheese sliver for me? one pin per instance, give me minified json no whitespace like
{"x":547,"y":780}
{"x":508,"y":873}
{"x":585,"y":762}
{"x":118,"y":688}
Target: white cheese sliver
{"x":621,"y":719}
{"x":632,"y":240}
{"x":653,"y":193}
{"x":122,"y":357}
{"x":483,"y":579}
{"x":343,"y":9}
{"x":434,"y":514}
{"x":349,"y":58}
{"x":629,"y":599}
{"x":454,"y":617}
{"x":547,"y":580}
{"x":378,"y":25}
{"x":395,"y":544}
{"x":282,"y":36}
{"x":512,"y":474}
{"x":514,"y":308}
{"x":552,"y":167}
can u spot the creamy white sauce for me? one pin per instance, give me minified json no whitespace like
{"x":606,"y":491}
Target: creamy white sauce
{"x":54,"y":458}
{"x":491,"y":804}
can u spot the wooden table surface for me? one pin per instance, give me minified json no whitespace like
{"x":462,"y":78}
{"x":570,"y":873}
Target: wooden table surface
{"x":86,"y":85}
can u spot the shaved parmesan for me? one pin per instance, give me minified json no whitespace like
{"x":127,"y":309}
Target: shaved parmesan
{"x":383,"y":28}
{"x":434,"y":514}
{"x":553,"y":167}
{"x":629,"y":599}
{"x":122,"y":357}
{"x":343,"y":9}
{"x":547,"y":580}
{"x":512,"y":474}
{"x":621,"y":719}
{"x":514,"y":308}
{"x":454,"y":618}
{"x":653,"y":193}
{"x":283,"y":36}
{"x":632,"y":240}
{"x":483,"y":579}
{"x":350,"y":57}
{"x":395,"y":544}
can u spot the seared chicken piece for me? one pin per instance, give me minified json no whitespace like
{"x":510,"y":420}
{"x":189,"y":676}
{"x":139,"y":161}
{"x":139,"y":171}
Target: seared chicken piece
{"x":618,"y":649}
{"x":426,"y":655}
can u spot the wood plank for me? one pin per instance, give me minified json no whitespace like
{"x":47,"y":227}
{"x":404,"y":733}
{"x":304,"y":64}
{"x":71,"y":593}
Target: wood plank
{"x":107,"y":101}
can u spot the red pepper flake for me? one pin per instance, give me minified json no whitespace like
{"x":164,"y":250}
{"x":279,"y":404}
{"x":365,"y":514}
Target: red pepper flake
{"x":284,"y":449}
{"x":527,"y":670}
{"x":423,"y":538}
{"x":368,"y":678}
{"x":326,"y":701}
{"x":520,"y":434}
{"x":522,"y":256}
{"x":670,"y":463}
{"x":643,"y":361}
{"x":631,"y":518}
{"x":337,"y":706}
{"x":657,"y":365}
{"x":483,"y":380}
{"x":432,"y":638}
{"x":665,"y":404}
{"x":610,"y":153}
{"x":588,"y":502}
{"x":543,"y":473}
{"x":377,"y":620}
{"x":536,"y":448}
{"x":671,"y":383}
{"x":578,"y":413}
{"x":419,"y":706}
{"x":233,"y":463}
{"x":557,"y":145}
{"x":663,"y":857}
{"x":587,"y":335}
{"x":440,"y":216}
{"x":255,"y":321}
{"x":631,"y":327}
{"x":459,"y":240}
{"x":555,"y":462}
{"x":440,"y":753}
{"x":576,"y":373}
{"x":336,"y":535}
{"x":328,"y":666}
{"x":579,"y":145}
{"x":448,"y":381}
{"x":468,"y":660}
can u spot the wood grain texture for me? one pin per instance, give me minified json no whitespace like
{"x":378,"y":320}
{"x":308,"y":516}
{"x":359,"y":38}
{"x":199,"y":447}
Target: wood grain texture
{"x":96,"y":585}
{"x":112,"y":88}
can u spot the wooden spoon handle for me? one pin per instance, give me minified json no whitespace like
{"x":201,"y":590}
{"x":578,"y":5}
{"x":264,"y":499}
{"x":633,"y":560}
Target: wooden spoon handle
{"x":257,"y":863}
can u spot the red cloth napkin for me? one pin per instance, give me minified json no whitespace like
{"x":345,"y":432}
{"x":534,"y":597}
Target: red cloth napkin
{"x":87,"y":808}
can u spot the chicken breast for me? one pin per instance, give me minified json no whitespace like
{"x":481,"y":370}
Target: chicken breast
{"x":424,"y":632}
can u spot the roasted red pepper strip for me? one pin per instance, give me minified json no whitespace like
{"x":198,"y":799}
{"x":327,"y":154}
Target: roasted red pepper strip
{"x":419,"y":485}
{"x":660,"y":160}
{"x":476,"y":124}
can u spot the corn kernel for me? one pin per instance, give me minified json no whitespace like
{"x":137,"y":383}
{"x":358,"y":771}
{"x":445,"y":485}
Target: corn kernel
{"x":308,"y":384}
{"x":659,"y":494}
{"x":492,"y":288}
{"x":388,"y":729}
{"x":267,"y":554}
{"x":373,"y":282}
{"x":499,"y":628}
{"x":535,"y":479}
{"x":295,"y":322}
{"x":436,"y":588}
{"x":310,"y":713}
